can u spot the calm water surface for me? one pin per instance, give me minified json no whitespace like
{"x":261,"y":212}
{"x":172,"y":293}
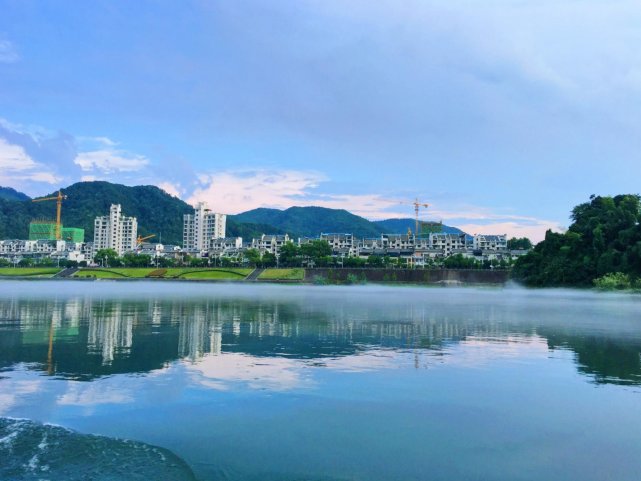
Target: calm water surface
{"x":108,"y":380}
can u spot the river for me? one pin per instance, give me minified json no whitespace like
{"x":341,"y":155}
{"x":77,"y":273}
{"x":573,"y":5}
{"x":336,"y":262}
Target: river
{"x":116,"y":380}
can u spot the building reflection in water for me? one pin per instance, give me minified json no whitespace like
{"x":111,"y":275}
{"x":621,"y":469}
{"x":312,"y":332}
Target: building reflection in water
{"x":84,"y":337}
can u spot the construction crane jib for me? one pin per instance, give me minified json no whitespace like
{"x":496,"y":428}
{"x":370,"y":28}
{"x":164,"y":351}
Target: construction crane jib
{"x":417,"y":206}
{"x":141,"y":239}
{"x":59,"y":198}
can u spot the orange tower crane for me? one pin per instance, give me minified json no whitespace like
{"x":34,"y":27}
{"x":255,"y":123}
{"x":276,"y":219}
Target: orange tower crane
{"x":417,"y":206}
{"x":141,"y":239}
{"x":59,"y":198}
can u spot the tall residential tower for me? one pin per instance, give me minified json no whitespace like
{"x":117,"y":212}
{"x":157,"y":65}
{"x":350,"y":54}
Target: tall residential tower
{"x":115,"y":231}
{"x":201,"y":227}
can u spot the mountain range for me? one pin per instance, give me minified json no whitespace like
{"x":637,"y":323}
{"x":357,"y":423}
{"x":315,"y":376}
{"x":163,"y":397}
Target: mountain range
{"x":161,"y":214}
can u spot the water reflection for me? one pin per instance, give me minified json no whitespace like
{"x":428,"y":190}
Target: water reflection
{"x":84,"y":337}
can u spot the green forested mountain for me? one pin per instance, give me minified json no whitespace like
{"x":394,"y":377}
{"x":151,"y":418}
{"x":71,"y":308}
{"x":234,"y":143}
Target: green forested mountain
{"x":311,"y":221}
{"x":7,"y":193}
{"x":400,"y":226}
{"x":605,"y":237}
{"x":157,"y":212}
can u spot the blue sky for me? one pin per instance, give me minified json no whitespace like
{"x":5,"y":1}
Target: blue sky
{"x":502,"y":115}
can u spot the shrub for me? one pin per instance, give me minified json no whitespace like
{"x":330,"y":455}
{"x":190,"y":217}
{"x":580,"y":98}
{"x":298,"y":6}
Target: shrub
{"x":354,"y":279}
{"x":613,"y":281}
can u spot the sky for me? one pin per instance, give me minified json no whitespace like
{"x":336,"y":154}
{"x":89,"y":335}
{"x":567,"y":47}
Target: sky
{"x":501,"y":115}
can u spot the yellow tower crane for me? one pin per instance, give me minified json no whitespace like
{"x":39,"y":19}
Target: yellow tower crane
{"x":141,"y":239}
{"x":417,"y":206}
{"x":59,"y":198}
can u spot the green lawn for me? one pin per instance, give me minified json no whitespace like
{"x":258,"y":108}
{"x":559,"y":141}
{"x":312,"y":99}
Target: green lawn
{"x":169,"y":273}
{"x":29,"y":271}
{"x":295,"y":274}
{"x":100,"y":274}
{"x":213,"y":274}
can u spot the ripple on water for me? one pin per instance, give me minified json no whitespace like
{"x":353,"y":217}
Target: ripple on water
{"x":33,"y":451}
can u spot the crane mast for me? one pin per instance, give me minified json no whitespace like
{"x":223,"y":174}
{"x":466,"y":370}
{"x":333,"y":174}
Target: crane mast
{"x":59,"y":198}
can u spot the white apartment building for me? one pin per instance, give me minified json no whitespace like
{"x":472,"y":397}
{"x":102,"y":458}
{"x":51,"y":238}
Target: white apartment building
{"x":400,"y":242}
{"x":115,"y":231}
{"x":270,"y":243}
{"x":490,"y":242}
{"x":449,"y":242}
{"x":341,"y":244}
{"x":202,"y":226}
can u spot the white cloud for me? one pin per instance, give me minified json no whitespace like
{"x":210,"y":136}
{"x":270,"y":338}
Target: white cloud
{"x":233,"y":192}
{"x":8,"y":53}
{"x":239,"y":191}
{"x":222,"y":371}
{"x":535,"y":232}
{"x":16,"y":166}
{"x":109,"y":160}
{"x":86,"y":394}
{"x":173,"y":189}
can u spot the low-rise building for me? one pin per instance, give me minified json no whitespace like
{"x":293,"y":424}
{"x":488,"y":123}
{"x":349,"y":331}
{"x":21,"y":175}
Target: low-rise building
{"x":270,"y":243}
{"x":449,"y":242}
{"x":485,"y":242}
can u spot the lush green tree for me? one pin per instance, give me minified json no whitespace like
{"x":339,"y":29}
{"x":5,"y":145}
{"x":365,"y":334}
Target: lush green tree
{"x":289,"y":255}
{"x":107,"y":258}
{"x":253,"y":257}
{"x":375,"y":261}
{"x":197,"y":262}
{"x":130,"y":259}
{"x":605,"y":237}
{"x":164,"y":262}
{"x":268,"y":260}
{"x":4,"y":262}
{"x":47,"y":262}
{"x":354,"y":262}
{"x":315,"y":250}
{"x":459,"y":261}
{"x":519,"y":243}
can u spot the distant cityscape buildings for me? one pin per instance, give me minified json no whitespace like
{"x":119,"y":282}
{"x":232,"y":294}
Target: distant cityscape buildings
{"x":204,"y":237}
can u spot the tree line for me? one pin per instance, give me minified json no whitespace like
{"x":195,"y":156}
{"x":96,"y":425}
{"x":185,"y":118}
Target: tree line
{"x":603,"y":243}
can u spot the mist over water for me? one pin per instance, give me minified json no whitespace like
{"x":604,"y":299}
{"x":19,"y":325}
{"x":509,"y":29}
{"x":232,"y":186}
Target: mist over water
{"x":364,"y":382}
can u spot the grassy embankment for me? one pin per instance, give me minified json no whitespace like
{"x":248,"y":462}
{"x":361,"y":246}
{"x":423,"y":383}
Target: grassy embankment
{"x":170,"y":273}
{"x":282,"y":274}
{"x":29,"y":271}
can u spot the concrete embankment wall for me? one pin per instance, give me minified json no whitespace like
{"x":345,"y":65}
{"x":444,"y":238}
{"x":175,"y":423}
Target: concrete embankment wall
{"x":414,"y":276}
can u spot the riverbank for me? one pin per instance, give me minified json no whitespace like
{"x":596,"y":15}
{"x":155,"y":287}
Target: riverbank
{"x":283,"y":275}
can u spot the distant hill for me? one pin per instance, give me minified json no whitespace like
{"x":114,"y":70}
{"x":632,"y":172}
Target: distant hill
{"x":400,"y":226}
{"x":311,"y":221}
{"x":7,"y":193}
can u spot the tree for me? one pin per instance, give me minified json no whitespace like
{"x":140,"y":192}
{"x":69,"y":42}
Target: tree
{"x":519,"y":243}
{"x":289,"y":255}
{"x":316,"y":250}
{"x":459,"y":261}
{"x":268,"y":260}
{"x":106,"y":257}
{"x":131,"y":259}
{"x":253,"y":257}
{"x":605,"y":237}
